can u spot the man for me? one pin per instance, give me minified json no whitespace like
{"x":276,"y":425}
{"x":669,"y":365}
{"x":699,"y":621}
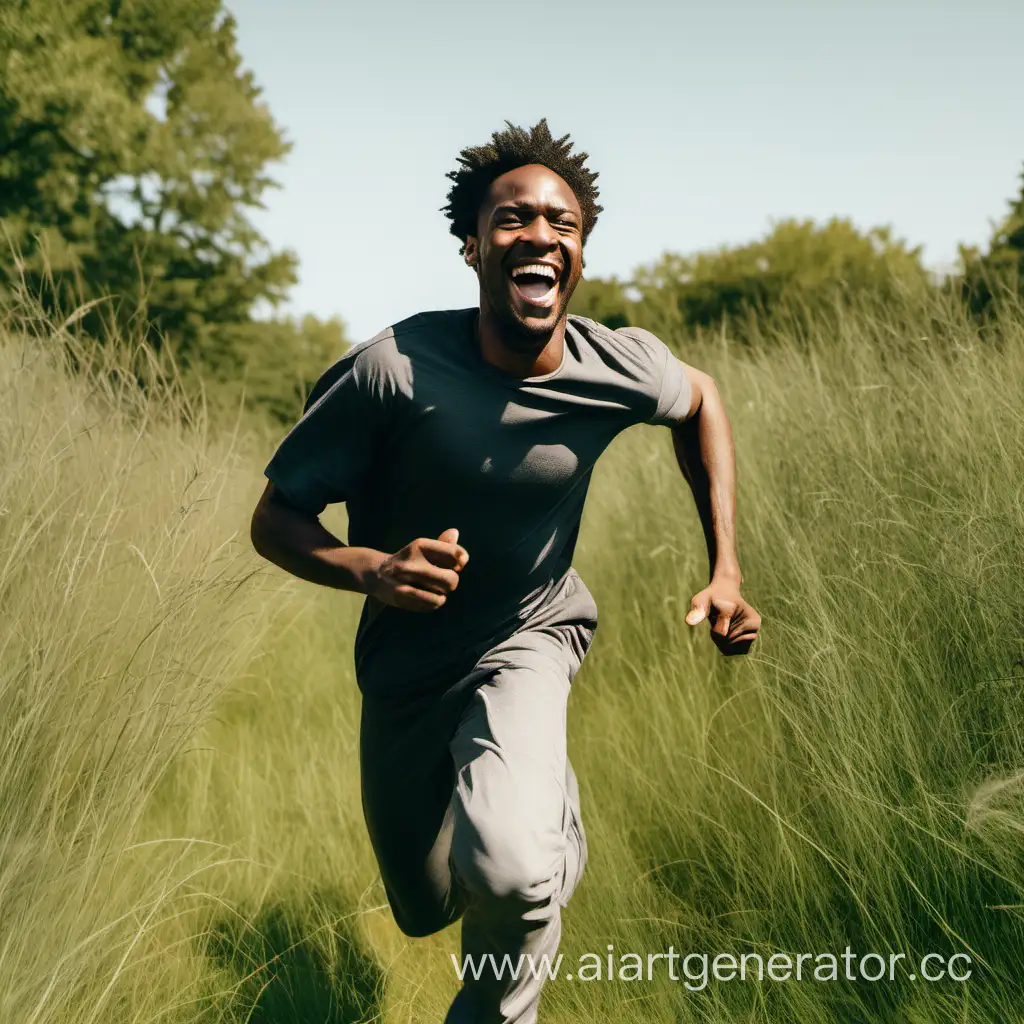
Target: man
{"x":462,"y":442}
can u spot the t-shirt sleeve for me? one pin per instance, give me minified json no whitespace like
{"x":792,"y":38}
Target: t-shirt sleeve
{"x":324,"y":458}
{"x":668,"y":385}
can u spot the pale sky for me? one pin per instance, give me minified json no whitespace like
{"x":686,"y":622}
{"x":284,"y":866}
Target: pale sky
{"x":706,"y":122}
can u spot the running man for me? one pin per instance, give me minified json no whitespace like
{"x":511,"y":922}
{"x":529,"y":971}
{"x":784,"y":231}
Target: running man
{"x":462,"y":442}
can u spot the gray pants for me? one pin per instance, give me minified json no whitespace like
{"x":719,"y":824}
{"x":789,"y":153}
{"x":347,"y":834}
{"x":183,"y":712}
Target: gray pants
{"x":473,"y":811}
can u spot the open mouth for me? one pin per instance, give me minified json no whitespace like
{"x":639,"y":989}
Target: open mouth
{"x":535,"y":283}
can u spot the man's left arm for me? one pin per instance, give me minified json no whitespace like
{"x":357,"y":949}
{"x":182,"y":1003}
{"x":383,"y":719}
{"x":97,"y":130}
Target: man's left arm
{"x":704,"y":450}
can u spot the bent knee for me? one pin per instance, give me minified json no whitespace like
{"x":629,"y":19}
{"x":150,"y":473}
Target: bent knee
{"x":519,"y":873}
{"x":421,"y":923}
{"x":419,"y":927}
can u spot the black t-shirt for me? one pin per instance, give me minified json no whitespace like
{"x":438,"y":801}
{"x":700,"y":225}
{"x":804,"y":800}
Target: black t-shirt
{"x":417,"y":433}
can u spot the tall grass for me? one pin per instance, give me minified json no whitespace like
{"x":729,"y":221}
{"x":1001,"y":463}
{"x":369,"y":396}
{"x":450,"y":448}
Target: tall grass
{"x":181,"y":837}
{"x":127,"y":611}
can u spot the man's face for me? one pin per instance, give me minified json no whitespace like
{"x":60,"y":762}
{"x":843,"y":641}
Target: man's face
{"x":528,"y":252}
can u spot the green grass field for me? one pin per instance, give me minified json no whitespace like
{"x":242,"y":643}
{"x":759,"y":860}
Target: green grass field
{"x":180,"y":830}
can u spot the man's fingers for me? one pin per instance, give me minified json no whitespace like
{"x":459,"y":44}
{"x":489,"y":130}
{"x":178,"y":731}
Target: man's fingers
{"x":723,"y":615}
{"x":739,"y":644}
{"x":698,"y":610}
{"x":737,"y":623}
{"x":444,"y":554}
{"x":741,"y":628}
{"x":412,"y":599}
{"x":427,"y":576}
{"x":745,"y":620}
{"x":732,"y":622}
{"x":739,"y":636}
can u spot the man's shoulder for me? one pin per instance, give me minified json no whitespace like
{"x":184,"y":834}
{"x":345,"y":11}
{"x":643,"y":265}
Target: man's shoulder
{"x":391,"y":346}
{"x":633,"y":346}
{"x":432,"y":319}
{"x":382,"y":364}
{"x":613,"y":335}
{"x":387,"y":347}
{"x":426,"y":324}
{"x":363,"y":361}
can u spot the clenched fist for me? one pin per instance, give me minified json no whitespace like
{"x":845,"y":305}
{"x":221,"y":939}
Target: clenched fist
{"x":420,"y":577}
{"x":735,"y":623}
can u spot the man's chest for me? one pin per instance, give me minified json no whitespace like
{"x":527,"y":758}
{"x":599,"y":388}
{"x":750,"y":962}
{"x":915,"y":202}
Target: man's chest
{"x":497,"y":443}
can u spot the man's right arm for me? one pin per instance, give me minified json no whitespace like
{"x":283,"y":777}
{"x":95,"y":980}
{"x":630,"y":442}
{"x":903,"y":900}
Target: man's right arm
{"x":417,"y":578}
{"x":301,"y":545}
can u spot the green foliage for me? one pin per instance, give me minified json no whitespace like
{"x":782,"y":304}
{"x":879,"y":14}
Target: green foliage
{"x":1008,"y":243}
{"x":604,"y":300}
{"x":133,"y":145}
{"x":1000,"y":271}
{"x":275,"y":363}
{"x":798,"y":262}
{"x":799,"y":265}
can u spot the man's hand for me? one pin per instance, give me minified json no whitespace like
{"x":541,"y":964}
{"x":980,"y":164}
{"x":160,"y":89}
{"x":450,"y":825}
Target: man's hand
{"x":734,"y":622}
{"x":420,"y":577}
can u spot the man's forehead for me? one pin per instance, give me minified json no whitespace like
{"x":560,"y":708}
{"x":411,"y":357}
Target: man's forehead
{"x":533,"y":184}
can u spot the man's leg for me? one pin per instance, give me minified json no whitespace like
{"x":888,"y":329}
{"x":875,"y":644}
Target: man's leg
{"x":518,"y":848}
{"x":407,"y":783}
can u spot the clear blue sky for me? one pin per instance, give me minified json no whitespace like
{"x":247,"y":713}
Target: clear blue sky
{"x":705,"y":120}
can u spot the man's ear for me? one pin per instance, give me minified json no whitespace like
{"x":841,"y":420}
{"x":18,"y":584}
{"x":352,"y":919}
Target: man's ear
{"x":471,"y":253}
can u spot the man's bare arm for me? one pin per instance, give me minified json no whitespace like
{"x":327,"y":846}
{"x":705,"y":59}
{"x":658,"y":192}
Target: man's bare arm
{"x":706,"y":456}
{"x":704,"y":450}
{"x":417,"y":578}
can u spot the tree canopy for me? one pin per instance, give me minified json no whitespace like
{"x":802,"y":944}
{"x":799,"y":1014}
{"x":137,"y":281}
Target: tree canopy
{"x":797,"y":262}
{"x":1000,"y":271}
{"x":133,"y":148}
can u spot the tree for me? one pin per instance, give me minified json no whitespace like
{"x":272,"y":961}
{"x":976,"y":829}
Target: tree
{"x":132,"y":146}
{"x":797,"y":263}
{"x":275,"y":363}
{"x":1000,"y":271}
{"x":605,"y":300}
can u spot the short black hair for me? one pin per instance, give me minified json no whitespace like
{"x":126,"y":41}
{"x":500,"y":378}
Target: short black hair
{"x":506,"y":151}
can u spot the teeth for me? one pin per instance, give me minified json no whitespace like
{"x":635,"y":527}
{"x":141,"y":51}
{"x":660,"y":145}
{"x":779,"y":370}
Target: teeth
{"x":535,"y":268}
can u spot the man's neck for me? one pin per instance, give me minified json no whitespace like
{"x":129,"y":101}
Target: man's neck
{"x":545,"y":358}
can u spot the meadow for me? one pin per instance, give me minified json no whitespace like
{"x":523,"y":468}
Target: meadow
{"x":180,"y":832}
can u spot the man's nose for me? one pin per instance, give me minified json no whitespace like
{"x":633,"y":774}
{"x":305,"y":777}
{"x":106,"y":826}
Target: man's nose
{"x":541,"y":233}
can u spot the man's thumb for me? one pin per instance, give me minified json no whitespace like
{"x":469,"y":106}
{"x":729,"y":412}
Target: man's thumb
{"x":698,"y":611}
{"x":450,"y":536}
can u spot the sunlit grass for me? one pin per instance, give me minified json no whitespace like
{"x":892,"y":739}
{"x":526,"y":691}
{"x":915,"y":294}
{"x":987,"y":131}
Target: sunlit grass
{"x":181,"y":835}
